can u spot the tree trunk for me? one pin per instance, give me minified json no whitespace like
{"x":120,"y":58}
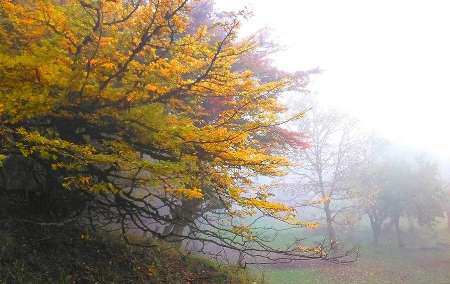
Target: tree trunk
{"x":448,"y":218}
{"x":184,"y":215}
{"x":173,"y":231}
{"x":375,"y":224}
{"x":376,"y":236}
{"x":398,"y":231}
{"x":330,"y":228}
{"x":178,"y":230}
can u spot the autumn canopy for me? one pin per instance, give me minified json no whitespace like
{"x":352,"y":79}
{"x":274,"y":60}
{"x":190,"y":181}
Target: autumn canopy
{"x":127,"y":116}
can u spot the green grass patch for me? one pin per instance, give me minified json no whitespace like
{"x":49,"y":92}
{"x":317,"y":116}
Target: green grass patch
{"x":294,"y":276}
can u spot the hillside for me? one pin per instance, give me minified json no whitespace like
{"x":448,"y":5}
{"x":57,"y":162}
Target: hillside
{"x":67,"y":255}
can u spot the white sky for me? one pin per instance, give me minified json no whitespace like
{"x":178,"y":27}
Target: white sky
{"x":386,"y":62}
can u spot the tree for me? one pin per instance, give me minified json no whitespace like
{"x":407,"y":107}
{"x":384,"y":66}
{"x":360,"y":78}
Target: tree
{"x":391,"y":188}
{"x":102,"y":108}
{"x":254,"y":60}
{"x":368,"y":180}
{"x":327,"y":165}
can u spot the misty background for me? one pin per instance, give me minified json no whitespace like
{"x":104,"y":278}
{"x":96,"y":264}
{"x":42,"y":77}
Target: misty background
{"x":384,"y":63}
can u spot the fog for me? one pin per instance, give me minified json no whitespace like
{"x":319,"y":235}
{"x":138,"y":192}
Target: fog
{"x":383,"y":62}
{"x":383,"y":71}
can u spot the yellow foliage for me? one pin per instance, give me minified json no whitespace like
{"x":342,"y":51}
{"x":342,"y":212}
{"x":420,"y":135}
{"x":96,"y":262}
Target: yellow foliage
{"x":275,"y":207}
{"x":192,"y":193}
{"x":293,"y":220}
{"x":310,"y":250}
{"x":130,"y":94}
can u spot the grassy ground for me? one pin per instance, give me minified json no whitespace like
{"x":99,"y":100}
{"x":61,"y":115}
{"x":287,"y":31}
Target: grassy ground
{"x":384,"y":265}
{"x":425,"y":260}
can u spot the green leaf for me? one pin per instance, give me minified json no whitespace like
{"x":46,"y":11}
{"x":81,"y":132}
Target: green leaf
{"x":2,"y":158}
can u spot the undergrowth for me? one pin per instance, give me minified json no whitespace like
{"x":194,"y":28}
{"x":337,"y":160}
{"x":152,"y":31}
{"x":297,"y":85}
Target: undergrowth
{"x":69,"y":255}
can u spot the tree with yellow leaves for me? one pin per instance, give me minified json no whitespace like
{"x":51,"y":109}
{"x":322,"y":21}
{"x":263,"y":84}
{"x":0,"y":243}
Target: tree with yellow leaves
{"x":104,"y":120}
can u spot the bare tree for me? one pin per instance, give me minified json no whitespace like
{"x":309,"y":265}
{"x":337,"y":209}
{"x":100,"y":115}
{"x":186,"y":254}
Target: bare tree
{"x":326,"y":166}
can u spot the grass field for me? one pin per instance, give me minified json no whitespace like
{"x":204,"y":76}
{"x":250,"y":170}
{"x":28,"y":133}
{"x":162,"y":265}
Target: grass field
{"x":424,"y":260}
{"x":385,"y":265}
